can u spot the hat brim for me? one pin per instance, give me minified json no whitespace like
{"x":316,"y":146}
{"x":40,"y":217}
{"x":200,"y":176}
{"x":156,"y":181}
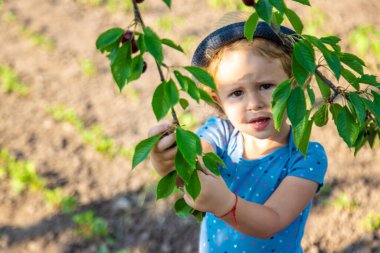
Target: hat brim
{"x":228,"y":34}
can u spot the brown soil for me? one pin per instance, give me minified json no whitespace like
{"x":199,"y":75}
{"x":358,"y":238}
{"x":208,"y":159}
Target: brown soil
{"x":123,"y":197}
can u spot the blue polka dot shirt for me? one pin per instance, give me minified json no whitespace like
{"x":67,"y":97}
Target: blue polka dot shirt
{"x":255,"y":181}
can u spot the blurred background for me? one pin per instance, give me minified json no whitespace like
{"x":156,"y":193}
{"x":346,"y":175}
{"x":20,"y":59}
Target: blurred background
{"x":67,"y":134}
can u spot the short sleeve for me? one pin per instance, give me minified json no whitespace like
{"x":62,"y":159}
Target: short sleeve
{"x":313,"y":166}
{"x":216,"y":132}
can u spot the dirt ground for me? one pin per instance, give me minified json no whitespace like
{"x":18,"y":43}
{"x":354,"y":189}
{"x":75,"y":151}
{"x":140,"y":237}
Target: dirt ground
{"x":125,"y":198}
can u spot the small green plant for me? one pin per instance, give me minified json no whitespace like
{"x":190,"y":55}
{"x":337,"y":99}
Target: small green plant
{"x":10,"y":82}
{"x":60,"y":113}
{"x":344,"y":202}
{"x":57,"y":200}
{"x":9,"y":17}
{"x":22,"y":174}
{"x":365,"y":40}
{"x":89,"y":226}
{"x":372,"y":222}
{"x":88,"y":67}
{"x":93,"y":135}
{"x":38,"y":39}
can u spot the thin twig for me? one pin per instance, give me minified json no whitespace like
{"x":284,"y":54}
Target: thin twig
{"x":139,"y":19}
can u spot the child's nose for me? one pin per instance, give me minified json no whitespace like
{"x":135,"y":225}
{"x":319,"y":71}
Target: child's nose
{"x":255,"y":102}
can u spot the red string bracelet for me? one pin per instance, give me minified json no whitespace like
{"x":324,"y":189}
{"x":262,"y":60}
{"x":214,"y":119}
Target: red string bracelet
{"x":233,"y":210}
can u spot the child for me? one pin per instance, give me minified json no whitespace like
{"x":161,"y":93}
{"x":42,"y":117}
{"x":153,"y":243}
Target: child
{"x":263,"y":197}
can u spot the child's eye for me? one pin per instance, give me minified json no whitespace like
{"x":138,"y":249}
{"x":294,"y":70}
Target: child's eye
{"x":266,"y":86}
{"x":236,"y":93}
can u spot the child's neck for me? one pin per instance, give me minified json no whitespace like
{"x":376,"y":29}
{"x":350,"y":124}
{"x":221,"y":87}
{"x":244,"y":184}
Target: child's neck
{"x":256,"y":148}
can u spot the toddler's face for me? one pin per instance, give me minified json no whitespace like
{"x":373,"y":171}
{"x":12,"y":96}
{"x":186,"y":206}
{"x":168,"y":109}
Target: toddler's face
{"x":245,"y":82}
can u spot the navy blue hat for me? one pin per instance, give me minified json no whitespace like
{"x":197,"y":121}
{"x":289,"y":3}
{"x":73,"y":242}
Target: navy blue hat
{"x":228,"y":34}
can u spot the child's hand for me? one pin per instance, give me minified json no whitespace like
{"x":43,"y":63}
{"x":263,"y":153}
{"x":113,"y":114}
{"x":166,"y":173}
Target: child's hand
{"x":163,"y":154}
{"x":215,"y":197}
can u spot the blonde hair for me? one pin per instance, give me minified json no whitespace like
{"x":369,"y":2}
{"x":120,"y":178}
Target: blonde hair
{"x":262,"y":46}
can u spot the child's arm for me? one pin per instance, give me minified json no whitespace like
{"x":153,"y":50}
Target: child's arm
{"x":261,"y":221}
{"x":163,"y":153}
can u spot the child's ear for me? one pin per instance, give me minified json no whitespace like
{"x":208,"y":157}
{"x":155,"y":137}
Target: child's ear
{"x":215,"y":97}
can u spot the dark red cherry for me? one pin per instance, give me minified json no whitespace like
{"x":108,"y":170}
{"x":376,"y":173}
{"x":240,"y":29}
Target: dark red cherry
{"x":248,"y":2}
{"x":144,"y":67}
{"x":128,"y":35}
{"x":139,"y":1}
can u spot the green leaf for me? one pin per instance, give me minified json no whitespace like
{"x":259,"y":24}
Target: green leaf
{"x":168,"y":3}
{"x":333,"y":62}
{"x":212,"y":162}
{"x":180,"y":78}
{"x":171,"y":44}
{"x":136,"y":68}
{"x":331,"y":40}
{"x":120,"y":67}
{"x":302,"y":133}
{"x":194,"y":185}
{"x":188,"y":144}
{"x":350,"y":77}
{"x":376,"y":97}
{"x":353,"y":62}
{"x":109,"y":39}
{"x":192,"y":89}
{"x":335,"y":110}
{"x":184,"y":169}
{"x":205,"y":96}
{"x":166,"y":185}
{"x":141,"y":44}
{"x":331,"y":58}
{"x":311,"y":94}
{"x":171,"y":92}
{"x":250,"y":26}
{"x":368,"y":79}
{"x":360,"y":141}
{"x":143,"y":149}
{"x":305,"y":2}
{"x":296,"y":106}
{"x":346,"y":126}
{"x":304,"y":53}
{"x":160,"y":102}
{"x":279,"y":5}
{"x":280,"y":97}
{"x":264,"y":9}
{"x":182,"y":209}
{"x":202,"y":76}
{"x":184,"y":103}
{"x":321,"y":117}
{"x":358,"y":106}
{"x":277,"y":18}
{"x":375,"y":109}
{"x":294,"y":20}
{"x":299,"y":72}
{"x":153,"y":44}
{"x":323,"y":87}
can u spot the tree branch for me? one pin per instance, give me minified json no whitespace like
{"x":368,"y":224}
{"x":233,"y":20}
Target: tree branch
{"x":139,"y":19}
{"x":330,"y":84}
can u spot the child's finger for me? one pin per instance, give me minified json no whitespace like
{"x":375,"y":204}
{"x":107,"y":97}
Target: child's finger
{"x":158,"y":129}
{"x":165,"y":142}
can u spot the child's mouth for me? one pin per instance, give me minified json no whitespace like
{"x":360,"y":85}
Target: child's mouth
{"x":260,"y":124}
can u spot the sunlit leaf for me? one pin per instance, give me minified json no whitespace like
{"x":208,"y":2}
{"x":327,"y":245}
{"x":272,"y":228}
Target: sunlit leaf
{"x":250,"y":26}
{"x":166,"y":185}
{"x":143,"y":149}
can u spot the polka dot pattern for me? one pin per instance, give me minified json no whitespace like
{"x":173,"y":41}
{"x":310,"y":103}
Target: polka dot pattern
{"x":255,"y":181}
